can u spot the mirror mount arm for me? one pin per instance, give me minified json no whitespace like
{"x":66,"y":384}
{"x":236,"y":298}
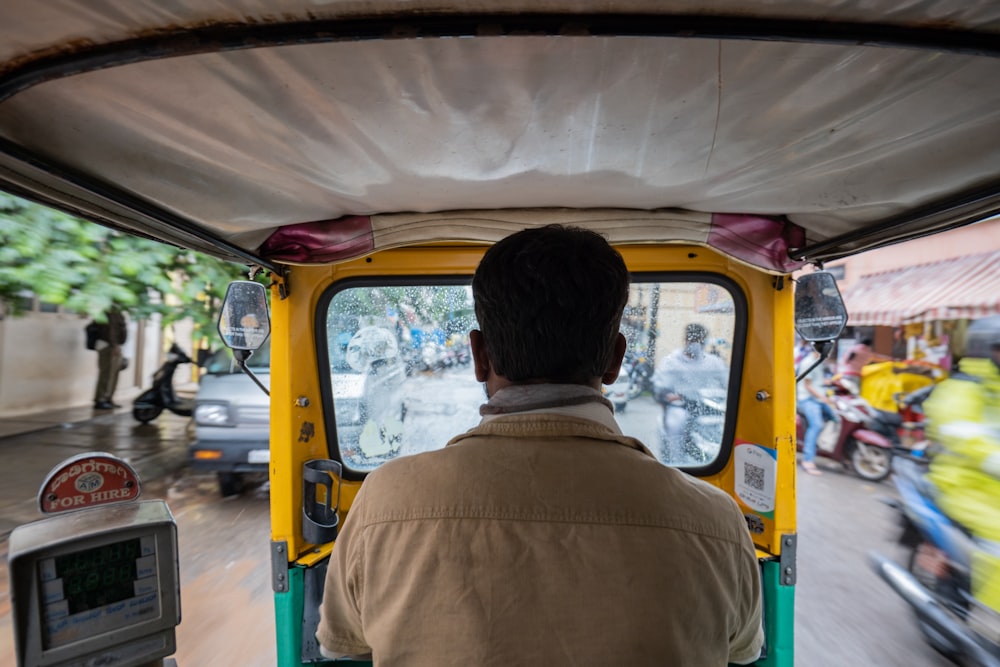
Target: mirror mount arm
{"x":241,"y":357}
{"x":824,"y":347}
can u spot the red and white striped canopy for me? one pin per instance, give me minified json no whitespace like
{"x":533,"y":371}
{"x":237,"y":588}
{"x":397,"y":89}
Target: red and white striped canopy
{"x":959,"y":288}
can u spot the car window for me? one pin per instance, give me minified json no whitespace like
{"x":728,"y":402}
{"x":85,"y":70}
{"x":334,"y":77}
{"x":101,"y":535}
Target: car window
{"x":221,"y":361}
{"x":401,"y":378}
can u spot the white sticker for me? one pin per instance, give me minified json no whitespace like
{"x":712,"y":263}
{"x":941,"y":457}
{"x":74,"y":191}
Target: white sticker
{"x":756,"y":475}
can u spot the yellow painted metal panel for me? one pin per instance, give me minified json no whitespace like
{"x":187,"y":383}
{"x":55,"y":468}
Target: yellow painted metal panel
{"x":765,"y":412}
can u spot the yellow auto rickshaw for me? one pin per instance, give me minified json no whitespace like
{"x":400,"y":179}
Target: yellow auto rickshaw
{"x":885,"y":384}
{"x":359,"y":157}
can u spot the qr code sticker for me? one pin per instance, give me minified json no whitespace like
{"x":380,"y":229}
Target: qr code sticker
{"x":753,"y":476}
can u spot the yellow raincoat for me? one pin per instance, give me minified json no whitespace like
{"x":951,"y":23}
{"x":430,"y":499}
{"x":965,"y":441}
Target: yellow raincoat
{"x":964,"y":417}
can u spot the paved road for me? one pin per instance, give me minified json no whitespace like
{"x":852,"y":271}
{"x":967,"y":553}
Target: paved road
{"x":845,"y":615}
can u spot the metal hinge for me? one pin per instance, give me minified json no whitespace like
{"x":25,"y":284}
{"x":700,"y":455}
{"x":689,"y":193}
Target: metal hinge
{"x":279,"y":566}
{"x":787,"y":561}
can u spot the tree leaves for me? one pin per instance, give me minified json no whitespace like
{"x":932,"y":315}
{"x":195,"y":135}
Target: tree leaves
{"x":87,"y":268}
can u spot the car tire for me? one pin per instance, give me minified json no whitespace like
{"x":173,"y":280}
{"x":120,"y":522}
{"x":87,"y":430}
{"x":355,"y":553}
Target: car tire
{"x":230,"y":484}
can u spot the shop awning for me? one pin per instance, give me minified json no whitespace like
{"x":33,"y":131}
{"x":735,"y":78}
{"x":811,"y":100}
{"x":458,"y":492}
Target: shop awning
{"x":961,"y":288}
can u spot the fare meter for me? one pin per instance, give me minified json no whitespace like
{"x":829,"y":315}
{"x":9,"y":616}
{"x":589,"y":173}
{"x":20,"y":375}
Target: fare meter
{"x":96,"y":583}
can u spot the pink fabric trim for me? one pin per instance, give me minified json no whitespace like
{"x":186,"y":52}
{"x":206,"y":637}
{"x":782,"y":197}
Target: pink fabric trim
{"x":321,"y":241}
{"x":757,"y":240}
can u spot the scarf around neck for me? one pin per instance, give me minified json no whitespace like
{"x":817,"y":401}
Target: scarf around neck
{"x":526,"y":397}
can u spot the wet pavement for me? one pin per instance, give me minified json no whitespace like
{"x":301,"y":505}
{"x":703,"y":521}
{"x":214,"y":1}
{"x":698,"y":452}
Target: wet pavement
{"x":32,"y":445}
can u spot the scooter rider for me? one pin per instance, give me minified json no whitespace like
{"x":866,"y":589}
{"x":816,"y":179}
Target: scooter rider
{"x":812,"y":403}
{"x":678,"y":382}
{"x":963,"y":415}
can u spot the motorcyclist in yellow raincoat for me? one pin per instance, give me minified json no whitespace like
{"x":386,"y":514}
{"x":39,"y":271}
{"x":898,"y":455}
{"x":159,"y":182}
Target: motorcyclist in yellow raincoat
{"x":963,"y":416}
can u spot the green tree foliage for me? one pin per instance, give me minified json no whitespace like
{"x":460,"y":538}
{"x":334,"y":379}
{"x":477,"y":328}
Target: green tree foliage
{"x":87,"y":268}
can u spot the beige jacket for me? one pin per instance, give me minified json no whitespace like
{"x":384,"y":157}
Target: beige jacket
{"x":542,"y":539}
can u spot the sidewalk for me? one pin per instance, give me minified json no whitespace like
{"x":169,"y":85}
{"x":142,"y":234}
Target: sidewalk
{"x":39,"y":421}
{"x":32,"y":445}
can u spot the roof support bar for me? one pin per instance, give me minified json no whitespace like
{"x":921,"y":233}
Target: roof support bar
{"x":965,"y":209}
{"x":167,"y":221}
{"x":235,"y":36}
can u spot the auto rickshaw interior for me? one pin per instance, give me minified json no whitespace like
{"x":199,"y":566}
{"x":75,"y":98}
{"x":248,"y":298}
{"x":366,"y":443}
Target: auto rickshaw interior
{"x":362,"y":155}
{"x":387,"y":357}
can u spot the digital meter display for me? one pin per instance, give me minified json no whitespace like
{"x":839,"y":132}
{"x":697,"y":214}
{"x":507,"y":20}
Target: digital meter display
{"x":100,"y":576}
{"x":98,"y":589}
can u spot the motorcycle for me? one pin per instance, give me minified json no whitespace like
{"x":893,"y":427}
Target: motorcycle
{"x":702,"y":420}
{"x":852,"y":439}
{"x":905,"y":427}
{"x":936,"y":581}
{"x":640,"y":372}
{"x":161,"y":395}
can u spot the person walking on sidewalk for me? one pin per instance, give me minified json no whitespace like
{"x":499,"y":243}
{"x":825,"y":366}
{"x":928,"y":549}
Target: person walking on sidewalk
{"x":107,"y":338}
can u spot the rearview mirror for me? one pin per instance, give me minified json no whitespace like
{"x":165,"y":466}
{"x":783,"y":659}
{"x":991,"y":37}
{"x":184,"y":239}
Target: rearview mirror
{"x":244,"y":323}
{"x":820,"y":314}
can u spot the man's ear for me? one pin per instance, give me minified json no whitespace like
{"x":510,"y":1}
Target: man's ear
{"x":480,"y":360}
{"x":611,"y":374}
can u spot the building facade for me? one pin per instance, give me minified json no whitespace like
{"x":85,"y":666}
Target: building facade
{"x":915,"y":299}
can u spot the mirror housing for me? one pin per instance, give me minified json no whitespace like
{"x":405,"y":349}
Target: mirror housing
{"x":244,"y":322}
{"x":820,"y":314}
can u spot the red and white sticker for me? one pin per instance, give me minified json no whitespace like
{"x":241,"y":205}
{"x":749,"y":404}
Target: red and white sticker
{"x":88,"y":480}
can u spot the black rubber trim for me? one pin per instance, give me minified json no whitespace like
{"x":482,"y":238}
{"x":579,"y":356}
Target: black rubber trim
{"x":212,"y":38}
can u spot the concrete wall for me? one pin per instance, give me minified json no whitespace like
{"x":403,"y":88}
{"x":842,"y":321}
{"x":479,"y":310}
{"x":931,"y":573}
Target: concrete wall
{"x":44,"y":363}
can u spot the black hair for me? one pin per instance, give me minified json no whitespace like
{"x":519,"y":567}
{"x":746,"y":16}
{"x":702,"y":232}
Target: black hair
{"x":549,"y":301}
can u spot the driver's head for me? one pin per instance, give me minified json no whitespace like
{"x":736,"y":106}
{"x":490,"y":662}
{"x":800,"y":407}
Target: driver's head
{"x":695,"y":333}
{"x":549,"y":302}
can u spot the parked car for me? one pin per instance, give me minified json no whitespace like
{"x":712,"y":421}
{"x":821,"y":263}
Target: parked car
{"x":232,"y":420}
{"x":618,"y":391}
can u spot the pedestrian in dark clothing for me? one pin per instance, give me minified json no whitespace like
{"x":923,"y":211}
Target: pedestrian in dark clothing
{"x":108,"y":338}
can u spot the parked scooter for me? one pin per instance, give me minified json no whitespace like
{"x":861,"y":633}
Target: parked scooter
{"x":153,"y":401}
{"x":936,"y":580}
{"x":852,"y":439}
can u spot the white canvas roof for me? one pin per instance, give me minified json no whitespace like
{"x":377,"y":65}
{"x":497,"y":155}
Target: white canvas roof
{"x":198,"y":122}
